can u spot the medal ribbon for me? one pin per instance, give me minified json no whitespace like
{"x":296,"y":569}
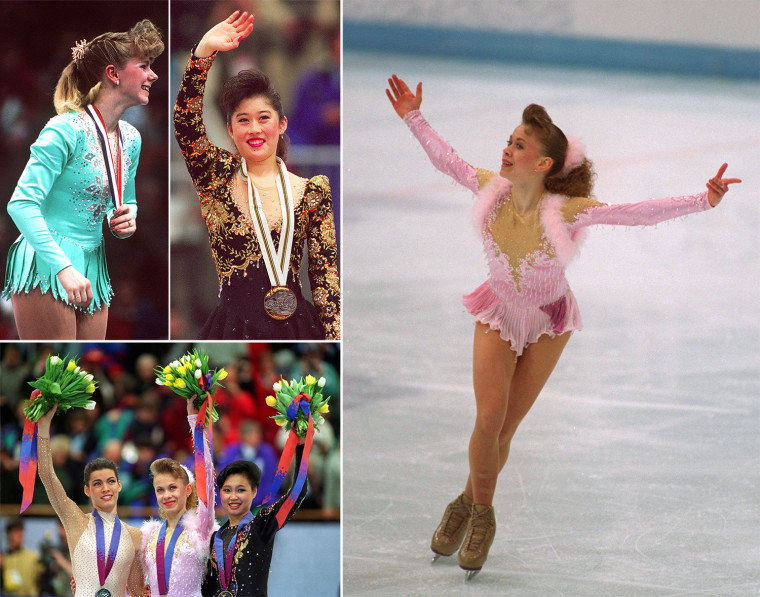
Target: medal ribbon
{"x":224,"y":560}
{"x":300,"y":402}
{"x":164,"y":560}
{"x":114,"y":179}
{"x":276,"y":261}
{"x":104,"y":566}
{"x":27,"y":472}
{"x":200,"y":460}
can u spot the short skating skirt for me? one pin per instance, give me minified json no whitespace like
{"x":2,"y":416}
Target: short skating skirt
{"x":522,"y":325}
{"x":25,"y":270}
{"x":240,"y":314}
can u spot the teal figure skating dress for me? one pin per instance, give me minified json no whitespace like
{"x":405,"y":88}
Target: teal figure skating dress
{"x":59,"y":206}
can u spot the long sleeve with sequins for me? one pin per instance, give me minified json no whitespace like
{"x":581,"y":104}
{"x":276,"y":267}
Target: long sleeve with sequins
{"x":441,"y":154}
{"x":43,"y":200}
{"x":642,"y":213}
{"x":323,"y":255}
{"x":73,"y":519}
{"x":208,"y":165}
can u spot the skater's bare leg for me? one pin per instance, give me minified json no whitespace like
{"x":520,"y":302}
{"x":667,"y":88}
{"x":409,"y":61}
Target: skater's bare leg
{"x":493,"y":368}
{"x":533,"y":369}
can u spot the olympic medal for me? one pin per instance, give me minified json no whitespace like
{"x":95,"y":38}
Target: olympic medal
{"x":280,"y":302}
{"x":225,"y":594}
{"x":103,"y":593}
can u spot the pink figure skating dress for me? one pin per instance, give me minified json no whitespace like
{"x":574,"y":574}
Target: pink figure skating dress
{"x":527,"y":294}
{"x":191,"y":550}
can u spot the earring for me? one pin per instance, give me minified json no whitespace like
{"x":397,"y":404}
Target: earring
{"x":117,"y":82}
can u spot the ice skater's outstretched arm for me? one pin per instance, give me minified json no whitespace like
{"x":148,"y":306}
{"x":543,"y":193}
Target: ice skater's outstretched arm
{"x":441,"y":154}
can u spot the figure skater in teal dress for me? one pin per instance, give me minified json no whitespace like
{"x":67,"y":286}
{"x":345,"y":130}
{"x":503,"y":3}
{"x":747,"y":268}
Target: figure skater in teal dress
{"x":81,"y":170}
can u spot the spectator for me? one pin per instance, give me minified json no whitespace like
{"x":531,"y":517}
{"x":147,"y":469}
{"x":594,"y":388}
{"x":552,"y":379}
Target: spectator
{"x":56,"y":563}
{"x":21,"y":566}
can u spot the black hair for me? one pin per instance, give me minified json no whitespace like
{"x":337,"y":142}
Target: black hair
{"x":97,"y":465}
{"x":240,"y":467}
{"x":253,"y":83}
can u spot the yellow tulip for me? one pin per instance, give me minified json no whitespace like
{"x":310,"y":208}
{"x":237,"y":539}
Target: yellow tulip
{"x":280,"y":422}
{"x":222,"y":374}
{"x":271,"y":400}
{"x":325,"y":408}
{"x":310,"y":380}
{"x":90,"y":389}
{"x":167,"y":369}
{"x":179,"y":383}
{"x":169,"y":377}
{"x":70,"y":366}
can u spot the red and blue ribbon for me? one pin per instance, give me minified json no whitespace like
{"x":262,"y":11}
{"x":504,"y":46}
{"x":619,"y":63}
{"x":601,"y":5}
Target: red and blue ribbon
{"x":200,"y":461}
{"x":27,"y":472}
{"x":299,"y":403}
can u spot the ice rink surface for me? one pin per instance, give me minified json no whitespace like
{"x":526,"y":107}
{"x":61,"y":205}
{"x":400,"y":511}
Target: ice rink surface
{"x":637,"y":473}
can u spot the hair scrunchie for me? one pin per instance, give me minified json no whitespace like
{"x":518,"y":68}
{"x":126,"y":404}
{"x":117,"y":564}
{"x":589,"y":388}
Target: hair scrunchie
{"x":574,"y":157}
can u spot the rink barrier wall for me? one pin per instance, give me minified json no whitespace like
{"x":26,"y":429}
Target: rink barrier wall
{"x":553,"y":50}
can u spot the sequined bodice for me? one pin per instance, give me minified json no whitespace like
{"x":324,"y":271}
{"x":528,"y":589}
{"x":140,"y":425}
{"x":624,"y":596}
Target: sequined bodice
{"x":187,"y":565}
{"x":520,"y":239}
{"x":84,"y":559}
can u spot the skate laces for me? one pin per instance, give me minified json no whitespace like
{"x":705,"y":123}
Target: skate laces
{"x":479,"y":527}
{"x":456,"y":515}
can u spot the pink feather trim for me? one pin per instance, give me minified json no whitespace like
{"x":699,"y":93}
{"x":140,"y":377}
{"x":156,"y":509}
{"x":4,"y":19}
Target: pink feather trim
{"x":574,"y":157}
{"x":193,"y":527}
{"x":496,"y":188}
{"x":147,"y":529}
{"x":566,"y":246}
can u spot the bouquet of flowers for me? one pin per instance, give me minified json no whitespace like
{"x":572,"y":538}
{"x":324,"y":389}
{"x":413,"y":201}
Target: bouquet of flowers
{"x":290,"y":415}
{"x":65,"y":384}
{"x":191,"y":376}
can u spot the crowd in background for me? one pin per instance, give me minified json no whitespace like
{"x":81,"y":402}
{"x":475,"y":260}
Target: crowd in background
{"x":136,"y":421}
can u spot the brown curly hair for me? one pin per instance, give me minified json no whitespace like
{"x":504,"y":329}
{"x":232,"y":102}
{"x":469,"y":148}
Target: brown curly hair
{"x":175,"y":469}
{"x":80,"y":81}
{"x":580,"y":181}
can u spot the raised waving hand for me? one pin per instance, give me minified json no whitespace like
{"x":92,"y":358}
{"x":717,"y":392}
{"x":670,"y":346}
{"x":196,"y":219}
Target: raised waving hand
{"x":718,"y":186}
{"x":226,"y":35}
{"x":402,"y":98}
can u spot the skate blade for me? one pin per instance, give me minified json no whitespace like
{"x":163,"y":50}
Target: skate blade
{"x":470,"y":574}
{"x":436,"y":557}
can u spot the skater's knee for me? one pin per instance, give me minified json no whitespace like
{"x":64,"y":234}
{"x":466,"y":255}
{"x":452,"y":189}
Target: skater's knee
{"x":489,"y":422}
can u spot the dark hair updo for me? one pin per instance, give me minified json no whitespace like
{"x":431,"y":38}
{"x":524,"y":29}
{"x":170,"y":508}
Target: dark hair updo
{"x":247,"y":84}
{"x":580,"y":180}
{"x":240,"y":467}
{"x":99,"y":464}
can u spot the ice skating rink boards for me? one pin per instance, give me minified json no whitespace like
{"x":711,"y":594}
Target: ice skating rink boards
{"x":637,"y":473}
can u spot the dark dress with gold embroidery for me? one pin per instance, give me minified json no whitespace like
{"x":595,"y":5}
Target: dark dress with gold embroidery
{"x":253,"y":549}
{"x":243,"y":278}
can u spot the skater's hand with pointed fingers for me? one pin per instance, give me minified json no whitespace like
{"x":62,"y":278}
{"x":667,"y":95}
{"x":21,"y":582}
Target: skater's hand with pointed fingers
{"x":718,"y":186}
{"x":402,"y":98}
